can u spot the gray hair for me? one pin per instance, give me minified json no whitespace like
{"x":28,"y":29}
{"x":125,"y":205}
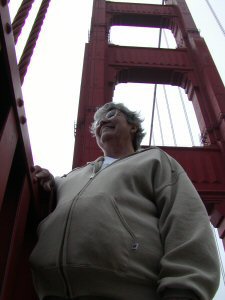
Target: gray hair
{"x":132,"y":117}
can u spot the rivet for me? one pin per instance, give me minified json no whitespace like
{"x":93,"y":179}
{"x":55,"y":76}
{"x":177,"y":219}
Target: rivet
{"x":23,"y":120}
{"x":8,"y":28}
{"x":20,"y":102}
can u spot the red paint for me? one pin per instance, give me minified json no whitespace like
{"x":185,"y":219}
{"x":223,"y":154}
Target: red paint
{"x":190,"y":66}
{"x":19,"y":201}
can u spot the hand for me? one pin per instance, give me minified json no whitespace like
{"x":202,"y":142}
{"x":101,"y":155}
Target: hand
{"x":43,"y":177}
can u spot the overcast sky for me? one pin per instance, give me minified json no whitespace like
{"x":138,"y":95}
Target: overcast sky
{"x":52,"y":85}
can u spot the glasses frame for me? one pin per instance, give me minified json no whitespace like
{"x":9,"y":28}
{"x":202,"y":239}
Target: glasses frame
{"x":108,"y":116}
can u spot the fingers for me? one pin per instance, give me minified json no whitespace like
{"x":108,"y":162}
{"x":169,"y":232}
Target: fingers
{"x":39,"y":173}
{"x":48,"y":186}
{"x":44,"y":177}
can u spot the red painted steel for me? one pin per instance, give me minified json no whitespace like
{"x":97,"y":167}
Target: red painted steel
{"x":13,"y":80}
{"x":20,"y":207}
{"x":8,"y":141}
{"x":190,"y":66}
{"x":16,"y":242}
{"x":205,"y":167}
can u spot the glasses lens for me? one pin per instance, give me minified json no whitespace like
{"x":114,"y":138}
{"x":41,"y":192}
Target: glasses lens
{"x":110,"y":114}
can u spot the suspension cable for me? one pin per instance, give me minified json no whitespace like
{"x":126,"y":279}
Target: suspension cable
{"x":186,"y":117}
{"x":153,"y":114}
{"x":155,"y":90}
{"x":21,"y":17}
{"x":219,"y":254}
{"x":216,"y":17}
{"x":160,"y":125}
{"x":153,"y":139}
{"x":170,"y":118}
{"x":182,"y":102}
{"x":32,"y":39}
{"x":167,"y":102}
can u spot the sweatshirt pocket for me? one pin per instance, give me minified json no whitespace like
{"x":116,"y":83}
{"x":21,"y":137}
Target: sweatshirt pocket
{"x":97,"y":235}
{"x":50,"y":231}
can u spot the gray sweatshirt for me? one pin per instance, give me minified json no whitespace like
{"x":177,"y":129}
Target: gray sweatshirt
{"x":136,"y":229}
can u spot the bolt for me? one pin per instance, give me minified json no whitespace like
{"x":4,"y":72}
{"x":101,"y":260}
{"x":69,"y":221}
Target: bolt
{"x":8,"y":28}
{"x":20,"y":102}
{"x":23,"y":120}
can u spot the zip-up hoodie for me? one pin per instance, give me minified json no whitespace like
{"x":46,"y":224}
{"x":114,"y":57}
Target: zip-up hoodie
{"x":136,"y":229}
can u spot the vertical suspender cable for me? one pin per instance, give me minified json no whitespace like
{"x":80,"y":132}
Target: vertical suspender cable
{"x":153,"y":139}
{"x":183,"y":105}
{"x":153,"y":113}
{"x":186,"y":118}
{"x":167,"y":102}
{"x":20,"y":18}
{"x":220,"y":259}
{"x":216,"y":18}
{"x":160,"y":125}
{"x":170,"y":118}
{"x":32,"y":39}
{"x":155,"y":90}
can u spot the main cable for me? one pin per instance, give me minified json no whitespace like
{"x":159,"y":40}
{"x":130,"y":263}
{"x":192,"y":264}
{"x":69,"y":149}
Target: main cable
{"x":21,"y":17}
{"x":32,"y":39}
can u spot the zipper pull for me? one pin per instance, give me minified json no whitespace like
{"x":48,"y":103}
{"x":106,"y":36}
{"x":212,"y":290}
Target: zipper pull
{"x":135,"y":246}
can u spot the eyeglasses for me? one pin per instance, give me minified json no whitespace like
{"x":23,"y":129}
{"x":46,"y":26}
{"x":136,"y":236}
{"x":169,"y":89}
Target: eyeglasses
{"x":109,"y":115}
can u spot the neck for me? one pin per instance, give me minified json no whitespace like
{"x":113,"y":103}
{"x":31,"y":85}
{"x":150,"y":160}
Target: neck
{"x":118,"y":153}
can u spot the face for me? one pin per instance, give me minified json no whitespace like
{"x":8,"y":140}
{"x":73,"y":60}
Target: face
{"x":114,"y":130}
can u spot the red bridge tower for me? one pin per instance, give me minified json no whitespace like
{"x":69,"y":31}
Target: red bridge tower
{"x":189,"y":66}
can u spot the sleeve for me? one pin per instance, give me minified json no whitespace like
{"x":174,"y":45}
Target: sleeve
{"x":190,"y":266}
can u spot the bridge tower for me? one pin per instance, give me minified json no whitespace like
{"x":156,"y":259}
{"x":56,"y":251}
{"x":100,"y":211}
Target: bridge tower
{"x":189,"y":66}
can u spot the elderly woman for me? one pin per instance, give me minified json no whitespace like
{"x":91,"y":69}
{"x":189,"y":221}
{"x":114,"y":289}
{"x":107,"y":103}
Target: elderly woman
{"x":128,"y":226}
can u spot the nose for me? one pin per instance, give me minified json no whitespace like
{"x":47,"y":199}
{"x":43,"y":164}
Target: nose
{"x":102,"y":121}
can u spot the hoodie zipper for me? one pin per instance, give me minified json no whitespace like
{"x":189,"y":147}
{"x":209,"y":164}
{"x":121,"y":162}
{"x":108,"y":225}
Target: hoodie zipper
{"x":135,"y":245}
{"x":94,"y":173}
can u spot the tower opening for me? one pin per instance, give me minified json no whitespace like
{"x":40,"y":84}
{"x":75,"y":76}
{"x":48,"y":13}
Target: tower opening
{"x":141,"y":37}
{"x":174,"y":119}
